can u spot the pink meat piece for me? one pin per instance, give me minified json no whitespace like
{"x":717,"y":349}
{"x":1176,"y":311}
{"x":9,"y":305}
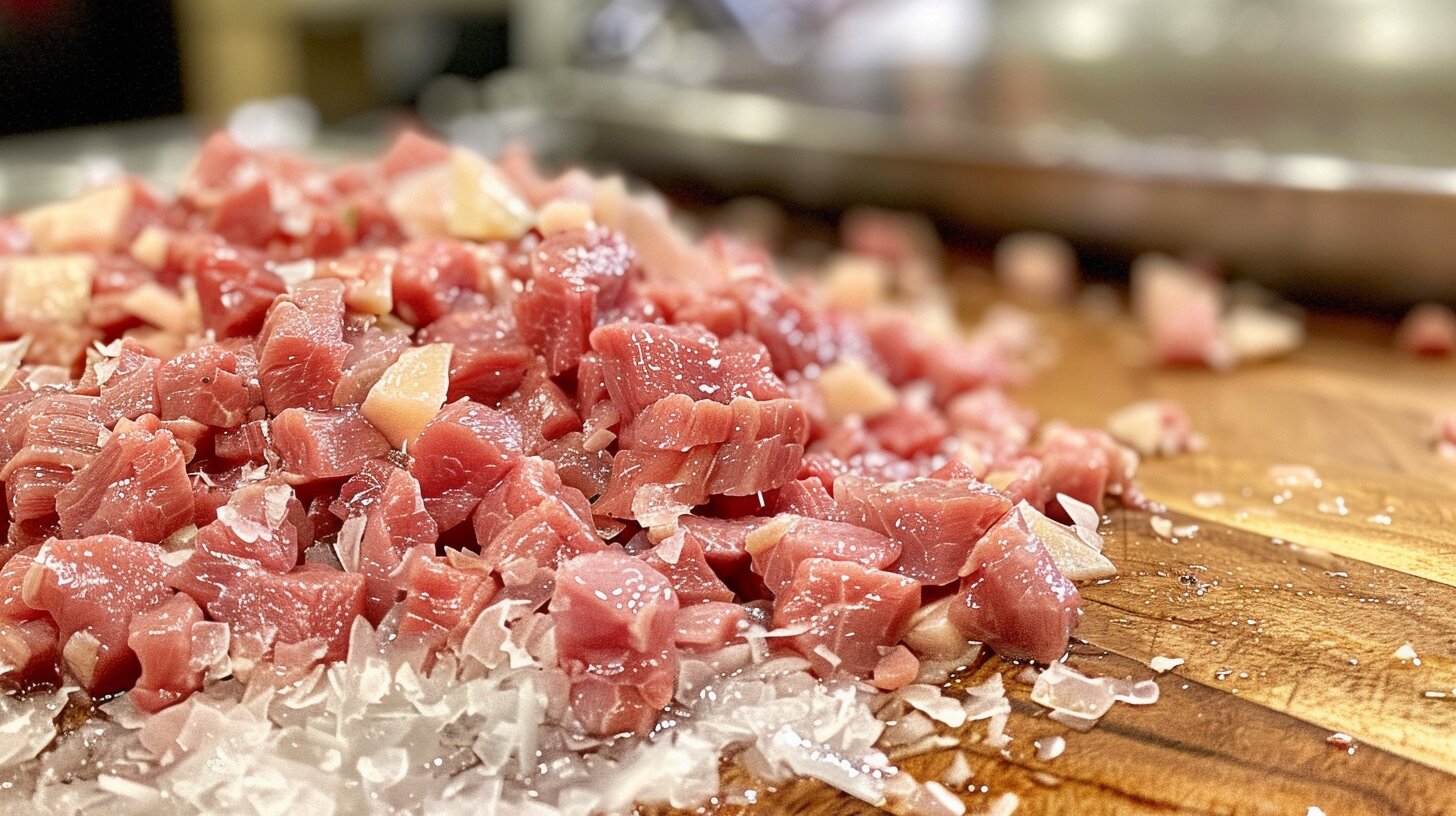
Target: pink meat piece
{"x":328,"y":444}
{"x":136,"y":487}
{"x":642,"y":363}
{"x":724,"y":542}
{"x":1014,"y":599}
{"x":689,"y":573}
{"x":1086,"y":464}
{"x":95,"y":585}
{"x":1429,"y":330}
{"x":710,"y":625}
{"x":578,"y":467}
{"x":301,"y":349}
{"x":442,"y":601}
{"x":935,"y":521}
{"x":902,"y":350}
{"x":248,"y":442}
{"x":680,"y":423}
{"x":531,"y":515}
{"x":130,"y":389}
{"x":15,"y":400}
{"x":233,"y":287}
{"x":990,"y":412}
{"x":28,"y":637}
{"x":411,"y":151}
{"x":897,"y":669}
{"x":245,"y":216}
{"x":489,"y":360}
{"x":957,"y":366}
{"x":258,"y":529}
{"x":373,"y":352}
{"x":616,"y":621}
{"x":574,"y":275}
{"x":429,"y":277}
{"x":59,"y":436}
{"x":215,"y":384}
{"x":544,"y":412}
{"x":1024,"y":482}
{"x":806,"y":538}
{"x":808,"y":497}
{"x":909,"y":430}
{"x":851,"y":611}
{"x":312,"y":606}
{"x":460,"y":455}
{"x":161,"y":637}
{"x":677,"y":477}
{"x":396,"y":526}
{"x":795,"y":334}
{"x":1179,"y":310}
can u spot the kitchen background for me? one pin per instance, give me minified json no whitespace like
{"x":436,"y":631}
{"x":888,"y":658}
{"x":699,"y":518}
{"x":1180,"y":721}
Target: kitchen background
{"x":1304,"y":143}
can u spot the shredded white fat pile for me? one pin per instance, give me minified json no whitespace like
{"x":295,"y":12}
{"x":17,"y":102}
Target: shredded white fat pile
{"x":487,"y":730}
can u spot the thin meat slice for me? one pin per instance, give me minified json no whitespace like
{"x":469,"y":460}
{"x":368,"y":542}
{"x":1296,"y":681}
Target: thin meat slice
{"x":215,"y":384}
{"x":790,"y":540}
{"x":575,"y":274}
{"x":544,"y":412}
{"x":59,"y":436}
{"x":616,"y":621}
{"x":91,"y":587}
{"x":710,"y":625}
{"x":396,"y":526}
{"x":642,"y":363}
{"x":848,"y":613}
{"x":531,"y":515}
{"x":136,"y":487}
{"x":329,"y":444}
{"x":666,"y":478}
{"x":464,"y":451}
{"x":935,"y":521}
{"x":161,"y":637}
{"x":1014,"y":599}
{"x":301,"y":348}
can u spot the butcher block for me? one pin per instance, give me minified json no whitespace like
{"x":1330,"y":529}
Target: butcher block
{"x":1312,"y":608}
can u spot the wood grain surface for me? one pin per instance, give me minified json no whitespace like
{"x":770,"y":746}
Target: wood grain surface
{"x":1286,"y":606}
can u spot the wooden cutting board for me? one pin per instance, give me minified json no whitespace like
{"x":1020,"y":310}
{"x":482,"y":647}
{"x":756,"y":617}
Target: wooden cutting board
{"x":1287,"y":615}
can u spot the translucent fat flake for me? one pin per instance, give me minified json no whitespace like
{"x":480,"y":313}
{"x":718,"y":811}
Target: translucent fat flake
{"x":1162,"y":664}
{"x":1065,"y":690}
{"x":929,"y":701}
{"x":1049,"y":748}
{"x":27,"y":725}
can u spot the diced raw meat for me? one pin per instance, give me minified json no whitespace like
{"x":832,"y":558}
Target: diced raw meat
{"x":710,"y":625}
{"x":808,"y":497}
{"x":246,"y":443}
{"x":935,"y":521}
{"x":1154,"y":428}
{"x":544,"y":412}
{"x":800,"y":538}
{"x":531,"y":515}
{"x":161,"y":637}
{"x":429,"y":277}
{"x":301,"y":349}
{"x":578,"y":467}
{"x":724,"y":543}
{"x":91,"y":587}
{"x":129,"y":388}
{"x":58,"y":437}
{"x":29,"y":651}
{"x":1428,"y":329}
{"x":136,"y":487}
{"x":574,"y":275}
{"x":850,"y":612}
{"x":680,"y":423}
{"x":1085,"y":464}
{"x":374,"y":351}
{"x":680,"y":558}
{"x":908,"y":430}
{"x":679,"y":478}
{"x":642,"y":363}
{"x":1014,"y":599}
{"x":1179,"y":309}
{"x":460,"y":455}
{"x":313,"y":605}
{"x":442,"y":601}
{"x":898,"y":668}
{"x":215,"y":384}
{"x":395,"y":525}
{"x":257,"y":530}
{"x":233,"y":288}
{"x":325,"y":444}
{"x":616,"y":622}
{"x":490,"y":358}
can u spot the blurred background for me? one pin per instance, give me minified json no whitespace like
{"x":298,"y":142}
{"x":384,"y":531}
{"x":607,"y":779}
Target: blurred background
{"x":1305,"y":143}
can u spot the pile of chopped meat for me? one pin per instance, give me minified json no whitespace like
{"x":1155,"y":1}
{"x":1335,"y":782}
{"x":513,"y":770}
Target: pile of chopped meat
{"x":426,"y":388}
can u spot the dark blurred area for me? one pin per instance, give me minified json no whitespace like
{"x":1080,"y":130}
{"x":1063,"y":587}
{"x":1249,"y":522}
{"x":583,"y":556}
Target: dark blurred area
{"x":1303,"y":143}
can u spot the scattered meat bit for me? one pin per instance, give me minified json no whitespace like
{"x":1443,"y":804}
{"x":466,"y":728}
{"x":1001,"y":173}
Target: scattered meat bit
{"x":161,"y":637}
{"x":1037,"y":267}
{"x":328,"y":444}
{"x":710,"y":625}
{"x":136,"y":487}
{"x":1013,"y":599}
{"x":574,"y":275}
{"x":1155,"y":428}
{"x":681,"y":559}
{"x":849,"y":612}
{"x":442,"y":601}
{"x":313,"y":606}
{"x":531,"y":515}
{"x":897,"y":668}
{"x":616,"y":622}
{"x":301,"y":348}
{"x":215,"y":384}
{"x":460,"y":455}
{"x":1429,"y":329}
{"x":1446,"y":435}
{"x":800,"y":538}
{"x":1179,"y":309}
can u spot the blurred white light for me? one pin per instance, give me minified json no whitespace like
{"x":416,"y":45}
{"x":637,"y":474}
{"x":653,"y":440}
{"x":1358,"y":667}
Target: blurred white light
{"x":286,"y":123}
{"x":1316,"y":172}
{"x":1086,"y":30}
{"x":1385,"y":36}
{"x":100,"y":168}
